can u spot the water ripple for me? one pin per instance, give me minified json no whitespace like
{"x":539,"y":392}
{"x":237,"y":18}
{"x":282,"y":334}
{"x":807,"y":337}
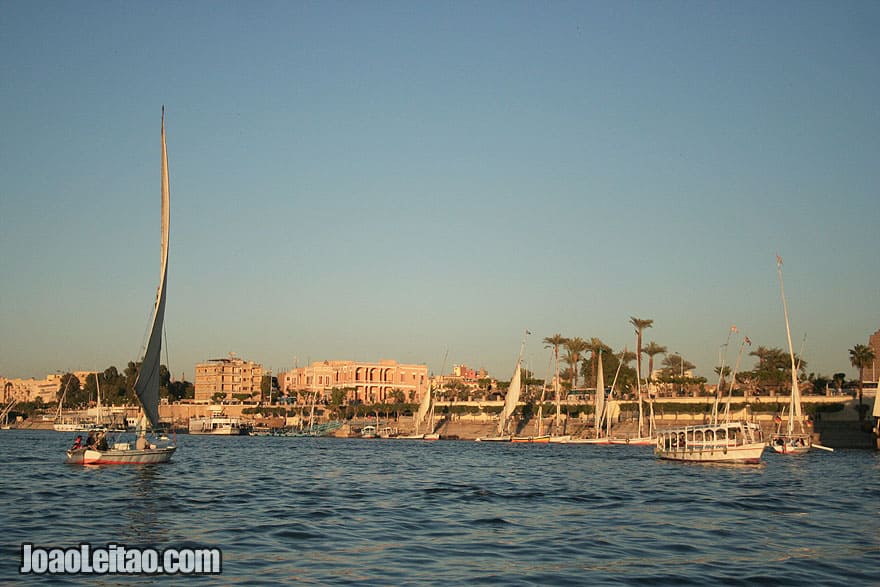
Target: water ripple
{"x":345,"y":512}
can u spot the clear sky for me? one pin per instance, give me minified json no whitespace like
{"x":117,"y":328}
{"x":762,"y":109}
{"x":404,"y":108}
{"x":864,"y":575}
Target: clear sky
{"x":392,"y":179}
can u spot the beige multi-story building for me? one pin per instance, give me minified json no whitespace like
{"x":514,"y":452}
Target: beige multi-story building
{"x":872,"y":372}
{"x":28,"y":390}
{"x":368,"y":383}
{"x":231,"y":377}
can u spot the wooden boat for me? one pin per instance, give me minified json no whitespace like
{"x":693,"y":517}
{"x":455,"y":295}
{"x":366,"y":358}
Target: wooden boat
{"x":561,"y":439}
{"x":500,"y":438}
{"x":726,"y":442}
{"x":635,"y":441}
{"x":424,"y":418}
{"x":794,"y":439}
{"x":147,"y":383}
{"x":505,"y":419}
{"x":218,"y":424}
{"x":542,"y":439}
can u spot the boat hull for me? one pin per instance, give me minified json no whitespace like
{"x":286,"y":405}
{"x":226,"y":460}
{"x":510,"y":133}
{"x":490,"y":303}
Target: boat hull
{"x":531,"y":439}
{"x":749,"y":454}
{"x":791,"y":444}
{"x":728,"y":442}
{"x":641,"y":441}
{"x":149,"y":456}
{"x":494,"y":439}
{"x":217,"y":426}
{"x":560,"y":439}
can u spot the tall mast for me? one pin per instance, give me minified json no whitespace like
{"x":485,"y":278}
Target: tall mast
{"x":795,"y":403}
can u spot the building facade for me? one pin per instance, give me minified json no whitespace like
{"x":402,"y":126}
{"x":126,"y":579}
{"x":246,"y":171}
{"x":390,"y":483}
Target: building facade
{"x":873,"y":372}
{"x":224,"y":379}
{"x":367,"y":383}
{"x":28,"y":390}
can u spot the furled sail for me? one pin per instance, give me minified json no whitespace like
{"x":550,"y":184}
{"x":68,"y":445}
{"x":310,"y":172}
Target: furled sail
{"x":147,"y":384}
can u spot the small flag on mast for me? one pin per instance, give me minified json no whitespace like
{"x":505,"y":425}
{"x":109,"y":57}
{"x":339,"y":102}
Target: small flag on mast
{"x":778,"y":260}
{"x":733,"y":328}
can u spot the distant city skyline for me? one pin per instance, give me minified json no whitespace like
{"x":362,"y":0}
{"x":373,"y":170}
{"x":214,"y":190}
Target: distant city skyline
{"x":366,"y":181}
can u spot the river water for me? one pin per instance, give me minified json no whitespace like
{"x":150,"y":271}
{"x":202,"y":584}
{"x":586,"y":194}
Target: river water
{"x":325,"y":511}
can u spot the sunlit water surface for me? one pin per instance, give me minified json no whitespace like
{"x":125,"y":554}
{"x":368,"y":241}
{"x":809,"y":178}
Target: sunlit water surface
{"x":325,"y":511}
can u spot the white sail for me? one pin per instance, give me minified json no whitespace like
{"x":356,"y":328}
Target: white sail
{"x":147,"y":384}
{"x":600,"y":396}
{"x":512,"y":398}
{"x":424,"y":406}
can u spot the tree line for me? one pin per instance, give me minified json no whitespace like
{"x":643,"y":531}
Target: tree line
{"x":117,"y":388}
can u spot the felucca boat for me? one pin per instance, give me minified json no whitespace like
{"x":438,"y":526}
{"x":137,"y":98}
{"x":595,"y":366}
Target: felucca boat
{"x":794,"y":438}
{"x":505,"y":419}
{"x":600,"y":409}
{"x":727,"y":441}
{"x":147,"y":383}
{"x":424,"y":417}
{"x":539,"y":437}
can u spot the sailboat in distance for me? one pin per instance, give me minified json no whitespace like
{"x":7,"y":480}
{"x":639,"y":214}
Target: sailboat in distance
{"x":147,"y":382}
{"x":505,"y":419}
{"x":794,"y":438}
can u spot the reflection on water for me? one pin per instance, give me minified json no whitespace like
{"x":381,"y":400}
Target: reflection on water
{"x":328,"y":511}
{"x":145,"y":524}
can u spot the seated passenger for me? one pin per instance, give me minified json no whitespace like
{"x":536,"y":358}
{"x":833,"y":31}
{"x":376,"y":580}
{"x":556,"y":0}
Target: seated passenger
{"x":78,"y":442}
{"x":101,"y":443}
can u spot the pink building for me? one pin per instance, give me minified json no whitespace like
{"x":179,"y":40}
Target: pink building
{"x":368,"y":383}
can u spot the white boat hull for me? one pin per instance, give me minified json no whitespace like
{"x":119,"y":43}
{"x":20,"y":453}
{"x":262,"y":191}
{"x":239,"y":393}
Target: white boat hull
{"x":745,"y":454}
{"x":560,"y":439}
{"x":727,"y":442}
{"x":494,"y":439}
{"x":149,"y":456}
{"x":221,"y":432}
{"x":640,"y":441}
{"x":217,"y":426}
{"x":791,"y":444}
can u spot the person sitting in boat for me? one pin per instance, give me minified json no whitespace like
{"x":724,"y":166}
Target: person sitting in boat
{"x":101,"y":442}
{"x":90,"y":441}
{"x":77,"y":443}
{"x":141,"y":443}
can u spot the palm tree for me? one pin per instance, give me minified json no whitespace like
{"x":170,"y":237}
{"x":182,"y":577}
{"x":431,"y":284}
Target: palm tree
{"x":651,"y":349}
{"x":640,"y":324}
{"x":839,"y":379}
{"x":861,"y":356}
{"x":722,"y":376}
{"x":555,"y":342}
{"x":575,"y":346}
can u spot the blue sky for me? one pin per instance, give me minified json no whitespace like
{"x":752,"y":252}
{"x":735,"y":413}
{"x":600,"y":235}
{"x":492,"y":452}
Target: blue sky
{"x":366,"y":180}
